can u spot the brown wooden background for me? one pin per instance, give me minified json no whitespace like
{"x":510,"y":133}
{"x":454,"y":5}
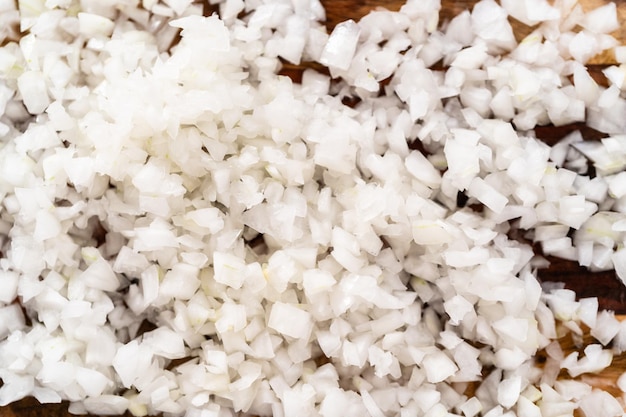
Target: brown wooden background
{"x":604,"y":285}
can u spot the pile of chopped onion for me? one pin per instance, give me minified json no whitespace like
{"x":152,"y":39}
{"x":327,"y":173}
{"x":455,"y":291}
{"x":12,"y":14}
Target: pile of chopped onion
{"x":185,"y":231}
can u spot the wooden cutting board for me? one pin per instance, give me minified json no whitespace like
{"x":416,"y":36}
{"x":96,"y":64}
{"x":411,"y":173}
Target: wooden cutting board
{"x":604,"y":285}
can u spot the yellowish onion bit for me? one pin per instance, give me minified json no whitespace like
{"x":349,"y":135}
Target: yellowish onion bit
{"x":295,"y":256}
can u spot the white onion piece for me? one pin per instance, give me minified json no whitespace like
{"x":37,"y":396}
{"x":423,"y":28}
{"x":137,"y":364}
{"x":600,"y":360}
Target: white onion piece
{"x":341,"y":46}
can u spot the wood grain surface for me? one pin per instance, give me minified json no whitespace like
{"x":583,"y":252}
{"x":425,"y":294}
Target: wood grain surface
{"x":604,"y":285}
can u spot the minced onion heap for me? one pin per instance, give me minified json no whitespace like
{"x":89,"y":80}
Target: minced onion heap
{"x":296,"y":256}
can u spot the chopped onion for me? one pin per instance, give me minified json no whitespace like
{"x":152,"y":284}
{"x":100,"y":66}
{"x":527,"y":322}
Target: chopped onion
{"x":186,"y":231}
